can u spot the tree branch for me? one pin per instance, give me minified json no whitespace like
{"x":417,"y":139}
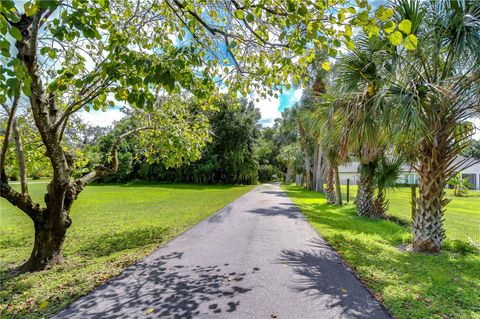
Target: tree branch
{"x":23,"y":201}
{"x":20,"y":158}
{"x":3,"y":154}
{"x":112,"y":168}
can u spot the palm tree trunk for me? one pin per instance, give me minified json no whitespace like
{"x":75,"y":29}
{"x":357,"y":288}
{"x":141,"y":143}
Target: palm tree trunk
{"x":307,"y":164}
{"x":330,"y":189}
{"x":338,"y":191}
{"x":380,"y":204}
{"x":427,"y":224}
{"x":315,"y":164}
{"x":308,"y":171}
{"x":366,"y":190}
{"x":319,"y":172}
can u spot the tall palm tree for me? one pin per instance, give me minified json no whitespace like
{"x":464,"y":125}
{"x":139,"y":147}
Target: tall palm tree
{"x":436,"y":93}
{"x":359,"y":77}
{"x":328,"y":122}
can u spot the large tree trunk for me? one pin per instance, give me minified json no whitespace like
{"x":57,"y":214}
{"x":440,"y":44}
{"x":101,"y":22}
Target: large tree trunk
{"x":48,"y":245}
{"x":330,"y":192}
{"x":338,"y":191}
{"x":427,"y":224}
{"x":366,"y":189}
{"x":51,"y":222}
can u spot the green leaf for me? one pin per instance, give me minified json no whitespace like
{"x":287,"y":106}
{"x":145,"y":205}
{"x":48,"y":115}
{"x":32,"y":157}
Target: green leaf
{"x":384,"y":14}
{"x":410,"y":42}
{"x":26,"y":89}
{"x":389,"y":27}
{"x":13,"y":16}
{"x":30,"y":9}
{"x":326,"y":66}
{"x":52,"y":54}
{"x":15,"y":33}
{"x":348,"y":30}
{"x":48,"y":4}
{"x":396,"y":38}
{"x":405,"y":26}
{"x":302,"y":11}
{"x":374,"y":30}
{"x":12,"y":83}
{"x":123,"y":94}
{"x":239,"y":14}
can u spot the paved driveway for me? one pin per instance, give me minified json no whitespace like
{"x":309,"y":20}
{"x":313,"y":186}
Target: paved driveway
{"x":256,"y":258}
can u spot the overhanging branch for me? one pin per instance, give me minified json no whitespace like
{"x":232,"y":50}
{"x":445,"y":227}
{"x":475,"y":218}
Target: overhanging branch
{"x":112,"y":168}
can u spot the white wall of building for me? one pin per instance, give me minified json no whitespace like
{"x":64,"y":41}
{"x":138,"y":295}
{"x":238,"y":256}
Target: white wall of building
{"x":407,"y":176}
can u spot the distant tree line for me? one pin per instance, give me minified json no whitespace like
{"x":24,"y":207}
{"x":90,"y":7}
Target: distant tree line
{"x":240,"y":150}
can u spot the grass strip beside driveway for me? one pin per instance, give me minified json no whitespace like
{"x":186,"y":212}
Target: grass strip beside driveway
{"x":410,"y":285}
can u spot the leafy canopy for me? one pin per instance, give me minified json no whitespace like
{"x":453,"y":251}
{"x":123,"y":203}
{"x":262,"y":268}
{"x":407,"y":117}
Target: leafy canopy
{"x":95,"y":52}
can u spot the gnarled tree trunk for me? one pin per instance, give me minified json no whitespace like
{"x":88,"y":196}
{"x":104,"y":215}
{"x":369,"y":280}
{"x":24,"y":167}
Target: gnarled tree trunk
{"x":49,"y":237}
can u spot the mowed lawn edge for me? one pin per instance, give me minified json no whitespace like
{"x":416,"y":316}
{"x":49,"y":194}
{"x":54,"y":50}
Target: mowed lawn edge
{"x":113,"y":227}
{"x":410,"y":285}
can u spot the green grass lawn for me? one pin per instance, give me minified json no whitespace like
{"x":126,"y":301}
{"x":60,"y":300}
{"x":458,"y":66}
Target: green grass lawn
{"x":410,"y":285}
{"x":113,"y":226}
{"x":462,"y":216}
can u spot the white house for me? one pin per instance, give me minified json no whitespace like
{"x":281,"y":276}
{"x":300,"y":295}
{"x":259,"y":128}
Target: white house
{"x":470,"y":169}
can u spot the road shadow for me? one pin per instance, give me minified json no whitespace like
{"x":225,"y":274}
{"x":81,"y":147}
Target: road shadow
{"x":321,"y":274}
{"x":286,"y":209}
{"x":163,"y":288}
{"x":220,"y":215}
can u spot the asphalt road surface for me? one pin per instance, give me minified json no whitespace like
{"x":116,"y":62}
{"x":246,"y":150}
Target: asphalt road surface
{"x":256,"y":258}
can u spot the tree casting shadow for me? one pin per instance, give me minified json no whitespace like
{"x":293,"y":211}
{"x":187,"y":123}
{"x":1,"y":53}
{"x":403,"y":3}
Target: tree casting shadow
{"x":163,"y":288}
{"x":322,"y":275}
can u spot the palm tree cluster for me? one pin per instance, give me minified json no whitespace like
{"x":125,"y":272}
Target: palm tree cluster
{"x":383,"y":105}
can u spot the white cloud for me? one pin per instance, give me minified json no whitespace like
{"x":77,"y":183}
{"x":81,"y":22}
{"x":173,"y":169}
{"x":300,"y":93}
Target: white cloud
{"x":101,"y":118}
{"x":271,"y":107}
